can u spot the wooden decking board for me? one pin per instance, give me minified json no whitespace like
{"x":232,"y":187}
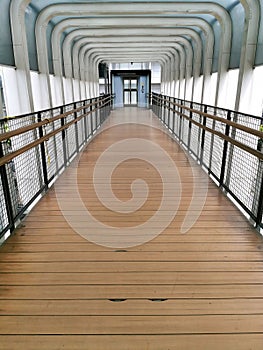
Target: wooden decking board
{"x":131,"y":342}
{"x":55,"y":285}
{"x":131,"y":278}
{"x":107,"y":256}
{"x":194,"y":324}
{"x":131,"y":307}
{"x":130,"y":266}
{"x":151,"y":247}
{"x":143,"y":291}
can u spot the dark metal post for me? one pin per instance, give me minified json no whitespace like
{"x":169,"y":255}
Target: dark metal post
{"x":203,"y":137}
{"x":260,"y":205}
{"x":64,"y":138}
{"x":190,"y":126}
{"x":91,"y":118}
{"x":173,"y":115}
{"x":43,"y":153}
{"x":85,"y":122}
{"x":224,"y":156}
{"x":169,"y":112}
{"x":76,"y":127}
{"x":160,"y":107}
{"x":7,"y":195}
{"x":96,"y":112}
{"x":180,"y":124}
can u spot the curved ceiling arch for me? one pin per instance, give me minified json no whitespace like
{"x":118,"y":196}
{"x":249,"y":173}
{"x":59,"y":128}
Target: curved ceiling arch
{"x":86,"y":50}
{"x":249,"y":32}
{"x":17,"y":10}
{"x":175,"y":53}
{"x":70,"y":10}
{"x":122,"y":23}
{"x":193,"y":52}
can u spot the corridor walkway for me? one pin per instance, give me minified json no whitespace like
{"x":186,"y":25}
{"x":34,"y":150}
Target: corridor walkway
{"x":131,"y":276}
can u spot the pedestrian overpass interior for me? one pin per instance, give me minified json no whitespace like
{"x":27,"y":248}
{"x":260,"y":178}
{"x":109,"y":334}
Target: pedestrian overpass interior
{"x":98,"y":100}
{"x":201,"y":57}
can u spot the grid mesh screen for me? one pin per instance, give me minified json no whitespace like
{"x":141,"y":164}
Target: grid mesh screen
{"x":29,"y":176}
{"x":90,"y":121}
{"x":24,"y":172}
{"x":3,"y":217}
{"x":218,"y":143}
{"x":166,"y":112}
{"x":244,"y":176}
{"x":243,"y":172}
{"x":207,"y":144}
{"x":70,"y":132}
{"x":185,"y":125}
{"x":50,"y":145}
{"x":177,"y":122}
{"x":195,"y":135}
{"x":81,"y":126}
{"x":241,"y":176}
{"x":58,"y":142}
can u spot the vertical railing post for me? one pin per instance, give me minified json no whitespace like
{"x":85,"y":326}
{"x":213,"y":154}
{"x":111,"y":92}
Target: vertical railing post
{"x":224,"y":155}
{"x":212,"y":145}
{"x":190,"y":126}
{"x":91,"y":117}
{"x":76,"y":127}
{"x":161,"y":108}
{"x":153,"y":103}
{"x":260,"y":201}
{"x":165,"y":110}
{"x":43,"y":153}
{"x":85,"y":122}
{"x":96,"y":112}
{"x":64,"y":138}
{"x":169,"y":112}
{"x":173,"y":115}
{"x":180,"y":122}
{"x":104,"y":110}
{"x":203,"y":137}
{"x":7,"y":194}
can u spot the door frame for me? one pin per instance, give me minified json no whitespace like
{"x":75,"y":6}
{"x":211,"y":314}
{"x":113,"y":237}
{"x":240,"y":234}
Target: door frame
{"x":131,"y":74}
{"x":130,"y":89}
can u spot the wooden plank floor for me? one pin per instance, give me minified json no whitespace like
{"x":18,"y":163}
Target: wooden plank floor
{"x":197,"y":290}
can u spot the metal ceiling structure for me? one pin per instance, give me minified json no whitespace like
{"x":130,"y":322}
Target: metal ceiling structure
{"x":188,"y":38}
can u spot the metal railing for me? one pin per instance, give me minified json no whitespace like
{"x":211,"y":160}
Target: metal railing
{"x":227,"y":144}
{"x":35,"y":149}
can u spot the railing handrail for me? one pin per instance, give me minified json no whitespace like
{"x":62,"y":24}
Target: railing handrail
{"x":5,"y":136}
{"x":211,"y":106}
{"x":40,"y":150}
{"x":230,"y":152}
{"x":236,"y":125}
{"x":21,"y":116}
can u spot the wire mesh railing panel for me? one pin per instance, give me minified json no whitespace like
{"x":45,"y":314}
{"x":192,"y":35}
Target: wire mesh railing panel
{"x":245,"y":137}
{"x":208,"y":144}
{"x":241,"y":176}
{"x":3,"y":217}
{"x":217,"y":152}
{"x":185,"y":126}
{"x":34,"y":149}
{"x":229,"y":145}
{"x":80,"y":126}
{"x":195,"y":135}
{"x":25,"y":168}
{"x":29,"y":176}
{"x":71,"y":137}
{"x":50,"y":144}
{"x":177,"y":123}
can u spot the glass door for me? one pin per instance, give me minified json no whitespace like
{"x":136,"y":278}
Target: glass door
{"x":130,"y":91}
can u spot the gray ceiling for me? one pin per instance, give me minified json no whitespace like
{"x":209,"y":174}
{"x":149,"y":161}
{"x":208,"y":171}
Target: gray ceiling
{"x":87,"y":23}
